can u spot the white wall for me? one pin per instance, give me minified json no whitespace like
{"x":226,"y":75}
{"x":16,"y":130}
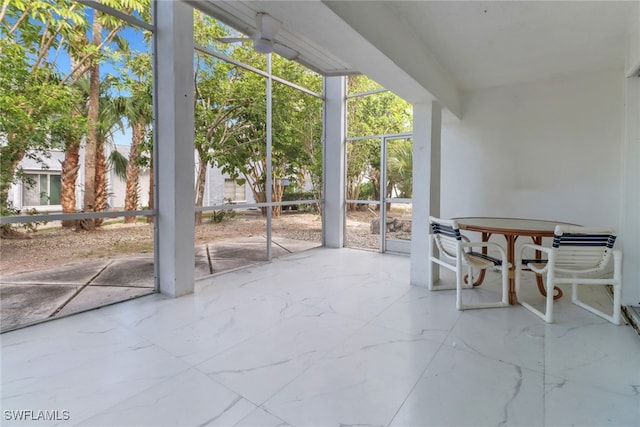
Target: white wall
{"x":118,"y":190}
{"x":214,"y":187}
{"x":632,"y":57}
{"x":565,"y":149}
{"x":548,"y":150}
{"x":118,"y":187}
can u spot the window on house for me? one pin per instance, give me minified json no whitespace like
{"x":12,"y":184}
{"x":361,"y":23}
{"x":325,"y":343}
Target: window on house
{"x":41,"y":190}
{"x":233,"y":191}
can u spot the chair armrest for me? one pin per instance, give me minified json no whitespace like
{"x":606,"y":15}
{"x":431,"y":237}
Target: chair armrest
{"x":522,"y":247}
{"x":535,"y":247}
{"x":533,"y":261}
{"x":481,"y":245}
{"x":494,"y":245}
{"x":466,"y":239}
{"x":520,"y":262}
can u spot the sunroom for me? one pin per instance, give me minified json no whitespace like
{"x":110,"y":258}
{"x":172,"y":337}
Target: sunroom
{"x":520,"y":110}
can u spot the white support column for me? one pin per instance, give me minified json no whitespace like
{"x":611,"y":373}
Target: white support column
{"x":630,"y":230}
{"x":334,"y":161}
{"x":427,"y":125}
{"x":174,"y":164}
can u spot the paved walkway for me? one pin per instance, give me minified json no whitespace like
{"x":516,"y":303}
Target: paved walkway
{"x":28,"y":298}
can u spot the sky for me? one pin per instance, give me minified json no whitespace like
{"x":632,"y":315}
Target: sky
{"x":135,"y":39}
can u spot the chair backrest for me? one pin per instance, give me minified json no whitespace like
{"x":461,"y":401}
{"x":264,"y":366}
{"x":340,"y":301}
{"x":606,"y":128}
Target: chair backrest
{"x":447,"y":235}
{"x":584,"y":249}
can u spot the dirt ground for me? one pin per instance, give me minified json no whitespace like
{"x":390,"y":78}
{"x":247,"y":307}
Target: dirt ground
{"x":52,"y":245}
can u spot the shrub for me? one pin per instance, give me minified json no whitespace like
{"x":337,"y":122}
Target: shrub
{"x":367,"y":192}
{"x":219,"y":216}
{"x":29,"y":227}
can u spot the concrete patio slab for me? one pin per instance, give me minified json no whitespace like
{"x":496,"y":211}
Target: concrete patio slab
{"x":292,"y":246}
{"x":254,"y":249}
{"x":248,"y":248}
{"x":75,"y":274}
{"x":202,"y":262}
{"x":131,"y":272}
{"x":23,"y":304}
{"x":98,"y":296}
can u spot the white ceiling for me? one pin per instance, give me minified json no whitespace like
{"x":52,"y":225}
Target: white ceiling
{"x":495,"y":43}
{"x":435,"y":49}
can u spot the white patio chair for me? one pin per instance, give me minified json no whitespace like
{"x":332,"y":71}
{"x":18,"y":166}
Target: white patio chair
{"x":578,"y":256}
{"x":456,"y":252}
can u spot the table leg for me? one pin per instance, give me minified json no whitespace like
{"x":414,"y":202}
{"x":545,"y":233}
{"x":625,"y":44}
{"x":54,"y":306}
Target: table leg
{"x":539,"y":281}
{"x":511,"y":250}
{"x":480,"y":279}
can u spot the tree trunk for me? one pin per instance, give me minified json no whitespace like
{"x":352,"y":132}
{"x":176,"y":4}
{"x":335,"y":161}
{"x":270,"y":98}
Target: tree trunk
{"x":260,"y":197}
{"x":200,"y":181}
{"x":389,"y":194}
{"x":70,"y":168}
{"x":375,"y":180}
{"x":101,"y":181}
{"x":277,"y":190}
{"x":257,"y":188}
{"x":93,"y":112}
{"x":151,"y":193}
{"x":353,"y":191}
{"x":133,"y":172}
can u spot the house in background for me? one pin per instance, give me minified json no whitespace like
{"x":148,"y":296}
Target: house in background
{"x":219,"y":188}
{"x":40,"y":189}
{"x":41,"y":184}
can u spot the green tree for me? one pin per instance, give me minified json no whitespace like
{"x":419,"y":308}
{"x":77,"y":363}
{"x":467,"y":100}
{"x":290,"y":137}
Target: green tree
{"x":95,"y":197}
{"x":136,"y":108}
{"x":39,"y":104}
{"x":296,"y":131}
{"x":231,"y":118}
{"x":217,"y":107}
{"x":400,"y":168}
{"x":297,"y":128}
{"x":363,"y":165}
{"x":242,"y":154}
{"x":379,"y":113}
{"x":35,"y":102}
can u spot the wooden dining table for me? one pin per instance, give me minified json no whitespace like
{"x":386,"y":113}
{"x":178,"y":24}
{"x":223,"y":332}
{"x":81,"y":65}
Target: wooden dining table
{"x":512,"y":229}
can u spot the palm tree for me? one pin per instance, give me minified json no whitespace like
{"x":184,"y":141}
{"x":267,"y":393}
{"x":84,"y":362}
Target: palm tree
{"x":71,"y":163}
{"x":95,"y":194}
{"x":400,"y":168}
{"x":108,"y":122}
{"x":92,"y":147}
{"x":138,"y":112}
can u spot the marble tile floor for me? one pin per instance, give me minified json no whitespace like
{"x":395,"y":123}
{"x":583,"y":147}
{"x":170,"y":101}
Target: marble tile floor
{"x":325,"y":337}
